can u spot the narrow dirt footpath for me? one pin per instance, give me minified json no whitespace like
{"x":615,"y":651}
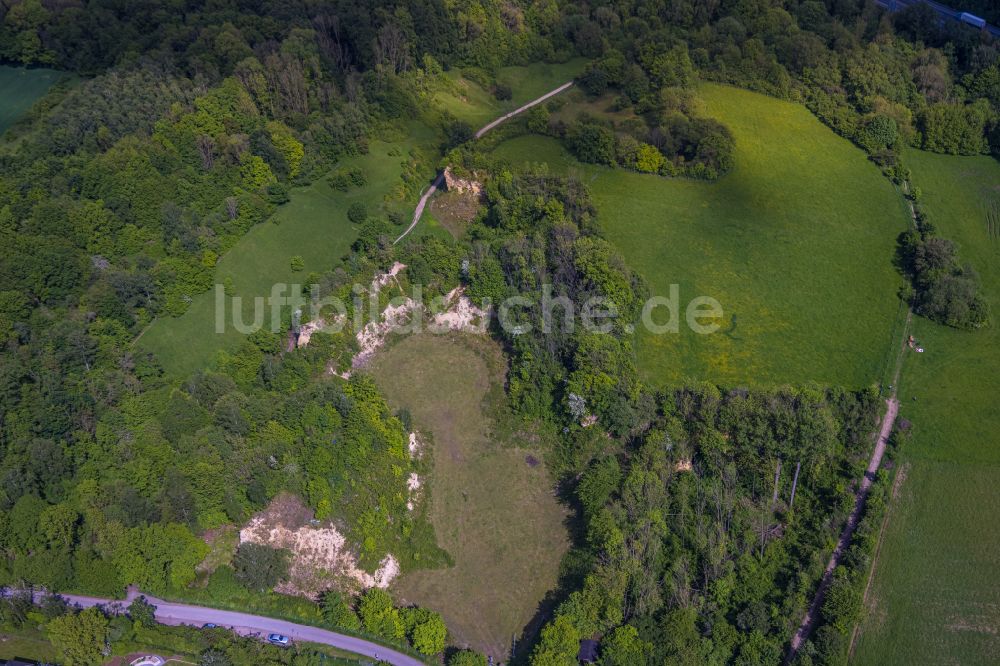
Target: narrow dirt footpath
{"x":421,"y":205}
{"x":892,"y":409}
{"x":522,"y":109}
{"x":483,"y":130}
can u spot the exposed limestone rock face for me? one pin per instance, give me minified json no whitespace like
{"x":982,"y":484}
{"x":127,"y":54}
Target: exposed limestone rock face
{"x":455,"y":184}
{"x":321,"y":556}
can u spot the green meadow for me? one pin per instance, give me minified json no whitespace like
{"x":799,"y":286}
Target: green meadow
{"x":313,"y":225}
{"x":468,"y":101}
{"x":27,"y":643}
{"x":796,"y":244}
{"x":935,"y":596}
{"x":491,"y":500}
{"x":21,"y":87}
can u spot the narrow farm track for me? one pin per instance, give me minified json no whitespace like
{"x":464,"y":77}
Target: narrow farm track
{"x":246,"y":624}
{"x":892,"y":409}
{"x":418,"y":213}
{"x":896,"y":484}
{"x":421,"y":205}
{"x":900,"y":474}
{"x":522,"y":109}
{"x":860,"y":500}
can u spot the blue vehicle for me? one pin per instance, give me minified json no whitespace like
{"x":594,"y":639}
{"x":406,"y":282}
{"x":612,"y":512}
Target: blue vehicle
{"x":209,"y":625}
{"x":972,"y":19}
{"x":278,"y":639}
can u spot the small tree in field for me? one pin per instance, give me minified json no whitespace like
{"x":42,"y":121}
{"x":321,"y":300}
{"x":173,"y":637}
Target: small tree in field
{"x":426,"y":630}
{"x":80,"y":637}
{"x":260,"y":567}
{"x":338,"y":612}
{"x":142,"y":612}
{"x":357,"y":213}
{"x":467,"y":658}
{"x":379,"y":616}
{"x":648,"y":159}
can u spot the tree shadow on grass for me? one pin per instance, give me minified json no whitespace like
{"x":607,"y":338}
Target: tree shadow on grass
{"x":572,"y":570}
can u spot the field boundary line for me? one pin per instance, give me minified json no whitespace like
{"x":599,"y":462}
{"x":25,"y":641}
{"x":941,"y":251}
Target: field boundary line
{"x":897,"y":483}
{"x":860,"y":501}
{"x":867,"y":481}
{"x":900,"y":472}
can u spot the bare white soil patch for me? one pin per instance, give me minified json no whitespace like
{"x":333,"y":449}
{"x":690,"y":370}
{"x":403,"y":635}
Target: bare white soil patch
{"x":462,"y":314}
{"x":413,"y":486}
{"x":321,"y":557}
{"x":332,"y":369}
{"x":373,"y":335}
{"x":455,"y":184}
{"x":307,"y":330}
{"x":415,"y":446}
{"x":382,"y":279}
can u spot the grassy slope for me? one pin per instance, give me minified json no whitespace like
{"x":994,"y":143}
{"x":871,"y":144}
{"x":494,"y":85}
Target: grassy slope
{"x":313,"y":225}
{"x":26,"y":643}
{"x":469,"y":102}
{"x":493,"y":512}
{"x":936,"y":593}
{"x":20,"y":88}
{"x":796,"y":242}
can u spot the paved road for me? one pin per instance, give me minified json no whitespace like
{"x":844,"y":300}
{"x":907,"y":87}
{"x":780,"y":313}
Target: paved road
{"x":942,"y":10}
{"x":892,"y":409}
{"x":246,"y":624}
{"x":483,"y":130}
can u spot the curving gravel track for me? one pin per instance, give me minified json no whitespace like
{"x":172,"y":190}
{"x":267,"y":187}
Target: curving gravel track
{"x":482,"y":130}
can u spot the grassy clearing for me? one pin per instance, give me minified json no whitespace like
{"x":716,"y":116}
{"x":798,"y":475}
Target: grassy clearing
{"x":954,"y":381}
{"x":935,"y":597}
{"x":28,"y":643}
{"x":796,"y":244}
{"x":223,"y":542}
{"x":21,"y":87}
{"x":468,"y":101}
{"x":312,"y":225}
{"x":454,"y":211}
{"x":493,"y":511}
{"x":573,"y":103}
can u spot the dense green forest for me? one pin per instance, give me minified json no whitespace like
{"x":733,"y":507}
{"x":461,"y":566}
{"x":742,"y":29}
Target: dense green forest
{"x":119,"y":194}
{"x":982,"y":8}
{"x":702,"y":538}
